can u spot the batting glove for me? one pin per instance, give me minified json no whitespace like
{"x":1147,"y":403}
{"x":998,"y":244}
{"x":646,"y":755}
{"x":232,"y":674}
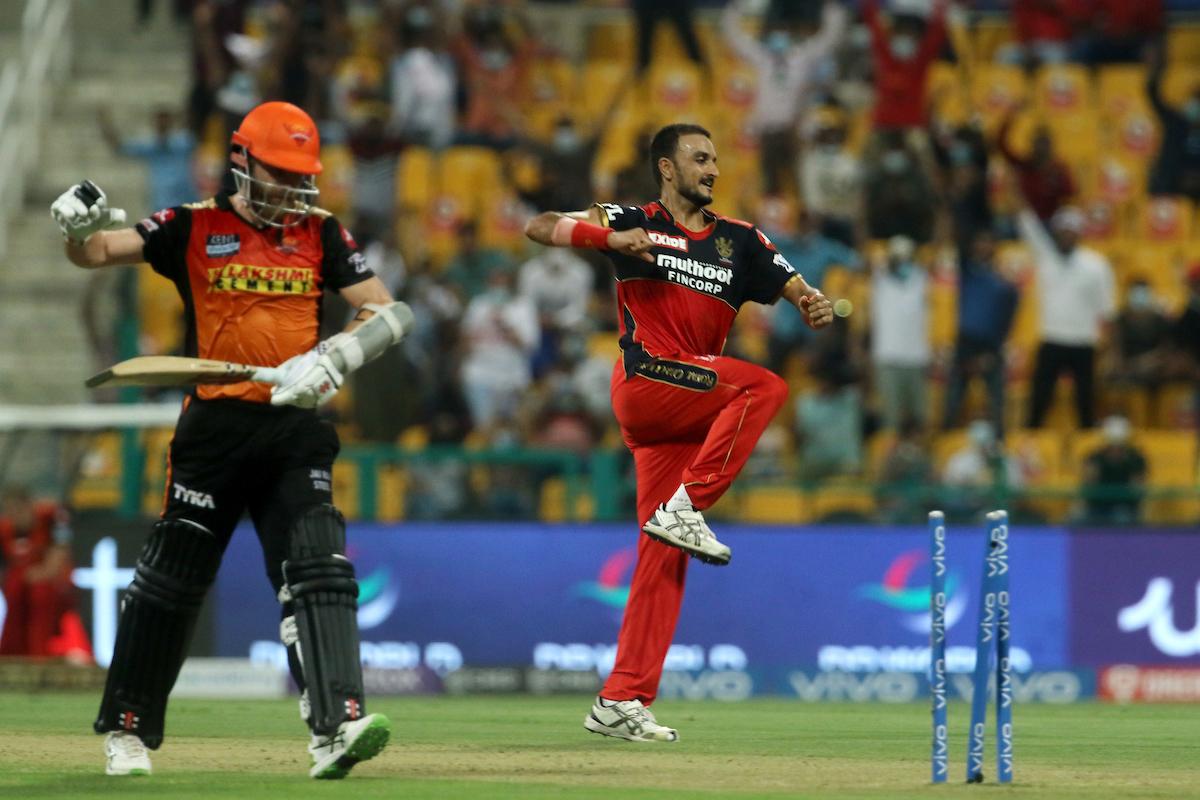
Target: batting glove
{"x":310,"y":380}
{"x":83,"y":210}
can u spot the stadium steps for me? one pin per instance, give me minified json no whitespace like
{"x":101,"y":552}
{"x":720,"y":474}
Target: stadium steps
{"x":44,"y":352}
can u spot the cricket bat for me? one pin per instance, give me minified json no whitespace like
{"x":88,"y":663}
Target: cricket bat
{"x":178,"y":371}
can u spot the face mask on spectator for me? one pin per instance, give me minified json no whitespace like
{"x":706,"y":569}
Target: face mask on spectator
{"x":1191,"y":110}
{"x":779,"y":42}
{"x":894,"y":161}
{"x":565,"y":140}
{"x":1140,"y":298}
{"x":494,"y":59}
{"x":904,"y":46}
{"x":960,"y":154}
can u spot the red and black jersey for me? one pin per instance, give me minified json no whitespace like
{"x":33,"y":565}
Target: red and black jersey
{"x":22,"y":549}
{"x":250,"y":295}
{"x":685,"y":302}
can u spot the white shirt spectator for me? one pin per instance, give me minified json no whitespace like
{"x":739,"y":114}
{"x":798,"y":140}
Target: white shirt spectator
{"x":500,"y":333}
{"x":831,"y":182}
{"x":423,"y":86}
{"x":972,"y":466}
{"x":1076,"y":292}
{"x":900,"y":317}
{"x":784,"y":78}
{"x":559,"y":284}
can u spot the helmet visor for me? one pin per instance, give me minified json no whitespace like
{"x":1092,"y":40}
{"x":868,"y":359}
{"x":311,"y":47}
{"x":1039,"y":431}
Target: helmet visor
{"x":281,"y":201}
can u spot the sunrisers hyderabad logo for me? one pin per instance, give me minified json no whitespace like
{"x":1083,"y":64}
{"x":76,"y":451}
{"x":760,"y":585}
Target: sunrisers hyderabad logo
{"x":895,"y":592}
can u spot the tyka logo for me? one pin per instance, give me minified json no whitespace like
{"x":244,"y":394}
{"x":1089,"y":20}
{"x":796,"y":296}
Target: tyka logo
{"x":895,"y":592}
{"x":1156,"y":613}
{"x":192,"y":497}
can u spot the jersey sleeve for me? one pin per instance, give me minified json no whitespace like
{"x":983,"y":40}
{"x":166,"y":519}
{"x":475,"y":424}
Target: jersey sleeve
{"x":768,"y":270}
{"x":165,"y":239}
{"x":621,"y":218}
{"x":342,"y":264}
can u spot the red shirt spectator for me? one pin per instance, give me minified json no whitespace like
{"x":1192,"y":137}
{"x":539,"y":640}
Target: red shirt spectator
{"x":1041,"y":21}
{"x":1045,"y":180}
{"x":901,"y":65}
{"x":1118,"y":18}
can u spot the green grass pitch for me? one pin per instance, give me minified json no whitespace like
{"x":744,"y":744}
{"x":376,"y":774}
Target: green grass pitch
{"x":518,"y":747}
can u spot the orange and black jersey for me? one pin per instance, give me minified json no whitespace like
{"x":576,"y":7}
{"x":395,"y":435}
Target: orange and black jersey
{"x":250,"y":295}
{"x":685,"y":302}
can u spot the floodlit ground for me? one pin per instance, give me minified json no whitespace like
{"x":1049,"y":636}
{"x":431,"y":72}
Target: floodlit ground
{"x":536,"y":747}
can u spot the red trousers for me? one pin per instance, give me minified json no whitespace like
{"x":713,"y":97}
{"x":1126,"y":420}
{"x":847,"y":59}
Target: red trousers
{"x":679,"y":433}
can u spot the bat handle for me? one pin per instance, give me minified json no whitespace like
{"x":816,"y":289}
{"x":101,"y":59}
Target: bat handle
{"x":268,"y":375}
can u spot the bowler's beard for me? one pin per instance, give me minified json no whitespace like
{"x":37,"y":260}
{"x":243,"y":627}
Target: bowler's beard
{"x":692,"y":195}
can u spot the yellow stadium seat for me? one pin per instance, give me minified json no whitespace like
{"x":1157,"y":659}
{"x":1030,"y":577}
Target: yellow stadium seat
{"x":877,"y":449}
{"x":1040,"y":451}
{"x":1077,"y":135}
{"x":1136,"y":136}
{"x":1180,"y":82}
{"x":416,"y":178}
{"x":738,"y":88}
{"x":611,"y":40}
{"x":599,"y":83}
{"x":553,"y":505}
{"x":469,"y":174}
{"x":1183,"y":43}
{"x":502,"y":224}
{"x":604,"y":345}
{"x":943,"y":313}
{"x":945,"y":445}
{"x":445,"y":216}
{"x":346,"y":488}
{"x":97,"y":484}
{"x":1103,"y":220}
{"x":947,"y":95}
{"x":1121,"y":89}
{"x":774,"y":505}
{"x":337,"y":178}
{"x":831,"y":499}
{"x":551,"y":82}
{"x":391,"y":492}
{"x":675,"y":91}
{"x":996,"y":88}
{"x":160,"y":315}
{"x":1118,"y":180}
{"x":1063,"y":89}
{"x":1166,"y":219}
{"x":155,"y":442}
{"x":1171,"y":465}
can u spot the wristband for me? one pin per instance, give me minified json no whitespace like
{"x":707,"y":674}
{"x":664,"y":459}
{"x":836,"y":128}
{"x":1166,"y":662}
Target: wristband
{"x":578,"y":233}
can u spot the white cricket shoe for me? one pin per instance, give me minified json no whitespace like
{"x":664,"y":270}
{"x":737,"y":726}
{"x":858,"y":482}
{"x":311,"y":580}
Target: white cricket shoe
{"x":125,"y":754}
{"x":334,"y":756}
{"x":627,"y":719}
{"x":688,"y":531}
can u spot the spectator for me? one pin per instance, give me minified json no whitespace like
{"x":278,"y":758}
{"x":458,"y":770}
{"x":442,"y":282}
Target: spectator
{"x":902,"y":54}
{"x":559,"y":284}
{"x":1042,"y":33}
{"x":167,"y":154}
{"x":980,"y":474}
{"x":376,"y":153}
{"x":1043,"y":179}
{"x":1076,"y":294}
{"x":905,"y":475}
{"x":786,"y":70}
{"x":829,"y":427}
{"x":1142,"y":338}
{"x":1185,"y":335}
{"x":900,"y":347}
{"x":423,"y":82}
{"x":1114,"y":477}
{"x":678,"y":13}
{"x":962,"y":157}
{"x":500,"y":333}
{"x":900,"y":197}
{"x":1115,"y":31}
{"x":812,"y":254}
{"x":34,"y":541}
{"x":492,"y":62}
{"x":831,"y":177}
{"x":1177,"y":168}
{"x":987,"y":303}
{"x":470,"y":268}
{"x":213,"y":63}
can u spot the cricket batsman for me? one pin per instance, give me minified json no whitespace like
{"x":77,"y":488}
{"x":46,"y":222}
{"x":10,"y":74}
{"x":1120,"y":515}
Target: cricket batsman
{"x":689,"y":415}
{"x":250,"y":267}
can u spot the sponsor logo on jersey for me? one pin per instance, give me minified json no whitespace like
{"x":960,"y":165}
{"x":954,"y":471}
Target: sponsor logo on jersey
{"x":667,"y":240}
{"x":724,"y":248}
{"x":358,"y":261}
{"x":782,"y":262}
{"x":164,"y":216}
{"x":698,"y":275}
{"x":222,"y":245}
{"x":192,"y":497}
{"x":348,"y":239}
{"x":261,"y":280}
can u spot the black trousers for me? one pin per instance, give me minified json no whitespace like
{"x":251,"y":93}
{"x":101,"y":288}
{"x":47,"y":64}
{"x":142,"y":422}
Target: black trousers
{"x":1052,"y":361}
{"x":677,"y":13}
{"x":229,"y":457}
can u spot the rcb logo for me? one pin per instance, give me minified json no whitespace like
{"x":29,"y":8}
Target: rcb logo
{"x":724,"y":248}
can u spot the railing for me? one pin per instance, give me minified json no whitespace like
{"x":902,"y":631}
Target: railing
{"x":26,"y":77}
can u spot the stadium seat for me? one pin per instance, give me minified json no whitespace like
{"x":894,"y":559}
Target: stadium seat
{"x":1062,"y":89}
{"x":1118,"y":180}
{"x":738,"y":88}
{"x":1103,"y":220}
{"x":1077,"y":135}
{"x":1136,"y":137}
{"x":774,"y":505}
{"x":834,"y":500}
{"x":155,"y":442}
{"x":599,"y":83}
{"x":611,"y":40}
{"x":1165,"y":219}
{"x":346,"y":487}
{"x":552,"y":505}
{"x":98,"y":481}
{"x":1183,"y":43}
{"x":947,"y":96}
{"x":391,"y":492}
{"x":674,"y":91}
{"x":502,"y":223}
{"x":469,"y":174}
{"x":160,"y":315}
{"x":1179,"y":82}
{"x":996,"y":88}
{"x":415,"y":179}
{"x":877,"y":449}
{"x":1121,"y":89}
{"x":337,"y":179}
{"x":1171,"y":465}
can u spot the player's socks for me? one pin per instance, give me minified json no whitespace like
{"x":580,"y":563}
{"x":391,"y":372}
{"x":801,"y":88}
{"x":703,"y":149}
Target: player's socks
{"x":334,"y":756}
{"x":627,"y":719}
{"x":125,"y":754}
{"x":680,"y":501}
{"x":687,"y":530}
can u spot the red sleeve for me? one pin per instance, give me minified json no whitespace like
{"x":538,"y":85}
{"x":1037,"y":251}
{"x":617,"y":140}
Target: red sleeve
{"x":935,"y":35}
{"x":870,"y":9}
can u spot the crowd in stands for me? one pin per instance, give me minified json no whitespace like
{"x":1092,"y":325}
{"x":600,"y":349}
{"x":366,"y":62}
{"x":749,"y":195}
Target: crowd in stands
{"x":1000,"y":201}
